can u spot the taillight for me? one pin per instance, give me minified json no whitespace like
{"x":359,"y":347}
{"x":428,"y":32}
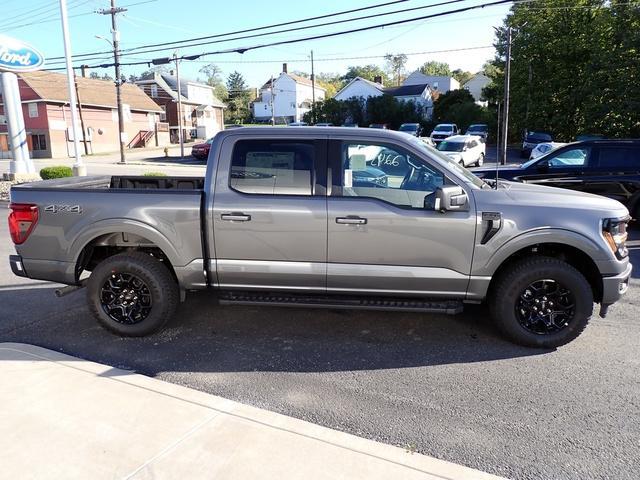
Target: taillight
{"x":22,"y":221}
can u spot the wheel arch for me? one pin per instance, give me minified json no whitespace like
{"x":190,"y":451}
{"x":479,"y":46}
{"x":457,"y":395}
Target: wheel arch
{"x":570,"y":254}
{"x":113,"y":236}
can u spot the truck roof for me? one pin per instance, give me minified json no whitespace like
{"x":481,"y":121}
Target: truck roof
{"x":314,"y":131}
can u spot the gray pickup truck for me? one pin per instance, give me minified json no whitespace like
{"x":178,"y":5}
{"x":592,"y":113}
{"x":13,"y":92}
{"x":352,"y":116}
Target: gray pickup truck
{"x":331,"y":217}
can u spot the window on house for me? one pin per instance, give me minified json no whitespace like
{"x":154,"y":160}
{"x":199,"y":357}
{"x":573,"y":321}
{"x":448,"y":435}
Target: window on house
{"x":163,"y":115}
{"x":38,"y":142}
{"x":154,"y":91}
{"x":273,"y":167}
{"x":33,"y":110}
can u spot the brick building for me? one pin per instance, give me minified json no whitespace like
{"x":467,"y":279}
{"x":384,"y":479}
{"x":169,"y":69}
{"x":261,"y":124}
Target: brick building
{"x":47,"y":116}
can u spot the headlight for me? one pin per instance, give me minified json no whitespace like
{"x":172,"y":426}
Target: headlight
{"x":614,"y":231}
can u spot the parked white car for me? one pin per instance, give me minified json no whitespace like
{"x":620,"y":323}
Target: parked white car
{"x":467,"y":150}
{"x":544,"y":148}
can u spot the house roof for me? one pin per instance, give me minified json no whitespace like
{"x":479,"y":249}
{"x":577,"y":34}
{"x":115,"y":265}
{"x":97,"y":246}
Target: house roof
{"x":407,"y":90}
{"x":295,"y":78}
{"x":53,"y":87}
{"x":171,"y":81}
{"x":375,"y":85}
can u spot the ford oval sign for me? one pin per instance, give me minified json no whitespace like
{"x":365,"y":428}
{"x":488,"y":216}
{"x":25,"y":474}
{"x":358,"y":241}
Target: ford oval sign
{"x":17,"y":56}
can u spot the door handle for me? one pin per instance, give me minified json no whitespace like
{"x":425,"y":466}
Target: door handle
{"x":235,"y":217}
{"x":351,"y":220}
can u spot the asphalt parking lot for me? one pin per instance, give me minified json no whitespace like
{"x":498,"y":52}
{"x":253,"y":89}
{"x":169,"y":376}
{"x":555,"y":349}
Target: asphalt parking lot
{"x":448,"y":387}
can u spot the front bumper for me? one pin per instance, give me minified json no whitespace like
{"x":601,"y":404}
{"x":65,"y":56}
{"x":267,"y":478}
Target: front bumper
{"x":16,"y":265}
{"x":614,"y":287}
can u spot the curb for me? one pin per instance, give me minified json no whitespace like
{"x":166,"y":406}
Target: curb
{"x":355,"y":452}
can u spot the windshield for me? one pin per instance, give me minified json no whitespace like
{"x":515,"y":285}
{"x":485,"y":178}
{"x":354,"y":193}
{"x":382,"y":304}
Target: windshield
{"x":408,"y":128}
{"x":538,"y":137}
{"x":429,"y":151}
{"x":477,"y":128}
{"x":449,"y":146}
{"x":443,"y":128}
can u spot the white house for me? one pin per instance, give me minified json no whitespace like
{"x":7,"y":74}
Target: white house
{"x":441,"y":84}
{"x":475,"y":85}
{"x":363,"y":88}
{"x":360,"y":87}
{"x":419,"y":93}
{"x":292,"y":97}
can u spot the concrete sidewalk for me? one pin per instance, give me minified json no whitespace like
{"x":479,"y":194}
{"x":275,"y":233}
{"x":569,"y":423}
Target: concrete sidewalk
{"x":64,"y":417}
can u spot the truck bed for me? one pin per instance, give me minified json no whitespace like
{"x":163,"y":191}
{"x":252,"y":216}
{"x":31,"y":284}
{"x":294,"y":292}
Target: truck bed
{"x":78,"y":212}
{"x":119,"y":182}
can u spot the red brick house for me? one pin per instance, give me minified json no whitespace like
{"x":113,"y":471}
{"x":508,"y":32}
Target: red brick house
{"x":47,"y":115}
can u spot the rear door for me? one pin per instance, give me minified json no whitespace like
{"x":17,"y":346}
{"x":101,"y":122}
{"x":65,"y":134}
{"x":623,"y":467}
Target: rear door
{"x":617,"y":172}
{"x":381,"y":238}
{"x":270,"y":214}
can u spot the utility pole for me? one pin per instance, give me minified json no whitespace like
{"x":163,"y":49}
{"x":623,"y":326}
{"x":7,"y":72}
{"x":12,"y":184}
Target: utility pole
{"x":505,"y":108}
{"x":180,"y":112}
{"x":79,"y":169}
{"x":84,"y":133}
{"x":113,"y":11}
{"x":313,"y":91}
{"x":273,"y":115}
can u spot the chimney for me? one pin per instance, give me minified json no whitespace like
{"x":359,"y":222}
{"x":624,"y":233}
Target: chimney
{"x":377,"y":79}
{"x":284,"y":68}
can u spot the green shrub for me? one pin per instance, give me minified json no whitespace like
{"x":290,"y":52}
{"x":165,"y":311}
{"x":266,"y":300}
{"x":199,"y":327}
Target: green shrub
{"x":154,"y":174}
{"x":58,"y":171}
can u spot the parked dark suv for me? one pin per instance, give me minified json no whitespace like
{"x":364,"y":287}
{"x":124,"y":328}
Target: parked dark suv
{"x":604,"y":167}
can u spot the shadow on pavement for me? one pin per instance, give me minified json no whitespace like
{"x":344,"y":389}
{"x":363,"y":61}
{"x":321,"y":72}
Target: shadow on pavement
{"x":206,"y":337}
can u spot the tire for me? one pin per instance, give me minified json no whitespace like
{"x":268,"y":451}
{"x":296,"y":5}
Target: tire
{"x":480,"y":160}
{"x":509,"y":298}
{"x":146,"y":286}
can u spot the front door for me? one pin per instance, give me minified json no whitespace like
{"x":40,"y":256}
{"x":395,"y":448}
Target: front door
{"x":564,"y":169}
{"x":270,"y":215}
{"x":381,"y":238}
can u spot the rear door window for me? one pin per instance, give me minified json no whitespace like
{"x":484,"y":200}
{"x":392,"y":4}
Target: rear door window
{"x":619,"y":157}
{"x":273,"y":167}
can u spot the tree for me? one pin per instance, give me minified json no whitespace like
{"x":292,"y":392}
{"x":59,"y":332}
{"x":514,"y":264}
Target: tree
{"x":573,"y":70}
{"x":213,"y":75}
{"x":368,"y":72}
{"x":148,"y":74}
{"x":437,"y":69}
{"x":461,"y":76}
{"x":459,"y":107}
{"x":238,"y":98}
{"x":331,"y":82}
{"x":395,"y":65}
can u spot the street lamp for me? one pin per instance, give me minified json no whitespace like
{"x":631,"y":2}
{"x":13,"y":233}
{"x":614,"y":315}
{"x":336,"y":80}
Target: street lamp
{"x":116,"y":56}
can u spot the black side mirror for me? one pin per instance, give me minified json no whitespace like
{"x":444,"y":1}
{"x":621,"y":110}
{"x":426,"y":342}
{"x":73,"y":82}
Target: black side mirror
{"x":543,"y":166}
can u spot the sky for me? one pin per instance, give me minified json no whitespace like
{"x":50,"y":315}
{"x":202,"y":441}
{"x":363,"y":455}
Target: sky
{"x":145,"y":22}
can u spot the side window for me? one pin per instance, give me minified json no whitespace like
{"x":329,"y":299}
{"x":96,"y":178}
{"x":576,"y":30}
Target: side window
{"x":574,"y":157}
{"x":273,"y":167}
{"x":619,"y":157}
{"x":387,"y":173}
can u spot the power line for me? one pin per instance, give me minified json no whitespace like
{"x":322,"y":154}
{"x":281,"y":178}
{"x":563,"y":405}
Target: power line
{"x":171,"y":45}
{"x":325,"y":35}
{"x":255,"y":29}
{"x":399,"y":22}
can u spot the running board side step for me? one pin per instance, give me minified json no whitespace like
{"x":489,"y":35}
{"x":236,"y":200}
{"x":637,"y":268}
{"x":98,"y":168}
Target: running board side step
{"x":449,"y":307}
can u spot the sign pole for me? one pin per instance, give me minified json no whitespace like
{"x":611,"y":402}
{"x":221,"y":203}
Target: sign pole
{"x":79,"y":168}
{"x":20,"y":164}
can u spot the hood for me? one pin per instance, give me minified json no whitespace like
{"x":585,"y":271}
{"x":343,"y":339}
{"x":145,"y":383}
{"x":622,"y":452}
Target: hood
{"x":543,"y":196}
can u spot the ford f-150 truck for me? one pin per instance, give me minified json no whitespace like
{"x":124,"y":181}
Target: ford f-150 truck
{"x":312,"y":217}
